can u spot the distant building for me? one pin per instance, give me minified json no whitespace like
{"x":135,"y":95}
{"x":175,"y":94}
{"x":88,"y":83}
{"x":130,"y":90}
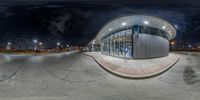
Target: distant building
{"x":188,"y":45}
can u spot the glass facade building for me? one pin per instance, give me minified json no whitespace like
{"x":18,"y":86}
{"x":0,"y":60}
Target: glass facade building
{"x":120,"y":43}
{"x":136,"y":36}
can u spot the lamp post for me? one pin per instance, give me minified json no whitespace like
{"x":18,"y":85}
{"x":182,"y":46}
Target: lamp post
{"x":172,"y":44}
{"x":58,"y":45}
{"x":67,"y":47}
{"x":35,"y":42}
{"x":40,"y":45}
{"x":8,"y":46}
{"x":9,"y":43}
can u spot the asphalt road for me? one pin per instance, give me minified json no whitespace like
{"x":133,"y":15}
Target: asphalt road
{"x":74,"y":76}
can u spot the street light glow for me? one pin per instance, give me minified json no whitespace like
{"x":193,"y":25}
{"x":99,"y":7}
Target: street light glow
{"x":40,"y":43}
{"x":173,"y":43}
{"x":58,"y":43}
{"x":35,"y":41}
{"x":9,"y":43}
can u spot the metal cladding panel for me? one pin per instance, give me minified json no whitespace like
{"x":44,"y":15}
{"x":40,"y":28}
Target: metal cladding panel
{"x":139,"y":46}
{"x":135,"y":46}
{"x":150,"y":46}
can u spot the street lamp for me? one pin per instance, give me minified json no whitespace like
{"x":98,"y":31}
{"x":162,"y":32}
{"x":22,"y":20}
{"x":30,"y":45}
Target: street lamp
{"x":67,"y":45}
{"x":40,"y":46}
{"x":58,"y":43}
{"x":9,"y":43}
{"x":8,"y":47}
{"x":40,"y":43}
{"x":173,"y":43}
{"x":35,"y":41}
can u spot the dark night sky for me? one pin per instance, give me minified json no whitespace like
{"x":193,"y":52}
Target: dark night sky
{"x":78,"y":22}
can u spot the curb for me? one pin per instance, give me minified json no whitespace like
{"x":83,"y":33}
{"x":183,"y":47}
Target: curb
{"x":128,"y":76}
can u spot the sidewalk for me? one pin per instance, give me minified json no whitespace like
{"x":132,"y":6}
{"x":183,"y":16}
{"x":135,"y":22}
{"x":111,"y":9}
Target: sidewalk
{"x":134,"y":68}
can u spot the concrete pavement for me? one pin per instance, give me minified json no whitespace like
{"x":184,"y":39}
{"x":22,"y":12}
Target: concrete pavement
{"x":74,"y":76}
{"x":134,"y":68}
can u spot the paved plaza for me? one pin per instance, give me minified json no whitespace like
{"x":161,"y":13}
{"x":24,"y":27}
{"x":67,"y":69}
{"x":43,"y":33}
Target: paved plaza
{"x":134,"y":68}
{"x":75,"y":76}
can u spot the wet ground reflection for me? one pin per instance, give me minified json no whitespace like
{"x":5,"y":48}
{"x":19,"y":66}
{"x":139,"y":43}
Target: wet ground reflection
{"x":189,"y":76}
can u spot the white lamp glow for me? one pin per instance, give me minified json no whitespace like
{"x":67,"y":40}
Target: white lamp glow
{"x":146,"y":22}
{"x":123,"y":24}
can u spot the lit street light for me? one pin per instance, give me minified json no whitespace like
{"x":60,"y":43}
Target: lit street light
{"x":35,"y":41}
{"x":9,"y":43}
{"x":58,"y":43}
{"x":40,"y":46}
{"x":173,"y":43}
{"x":40,"y":43}
{"x":67,"y":45}
{"x":8,"y":47}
